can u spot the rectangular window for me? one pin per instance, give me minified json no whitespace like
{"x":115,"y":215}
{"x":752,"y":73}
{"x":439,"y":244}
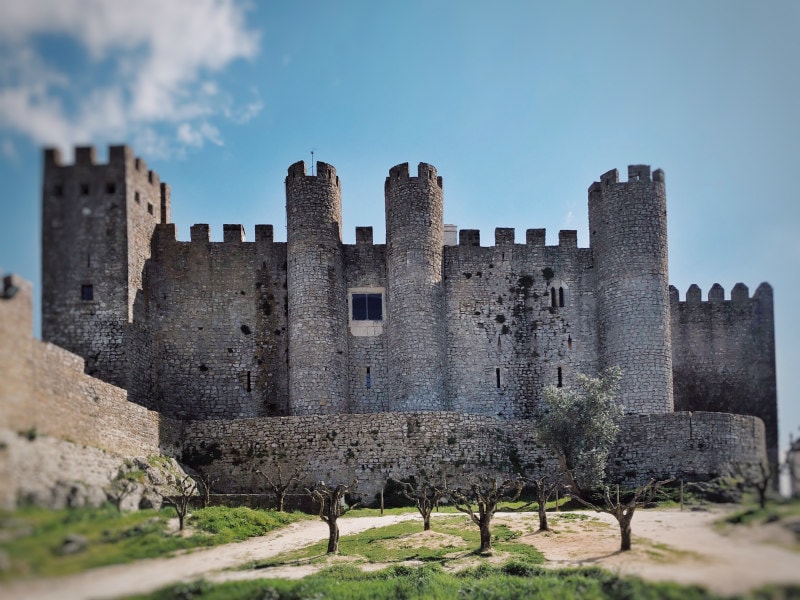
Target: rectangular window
{"x":368,"y":379}
{"x":87,"y":292}
{"x":150,"y":208}
{"x":367,"y":307}
{"x":497,"y":376}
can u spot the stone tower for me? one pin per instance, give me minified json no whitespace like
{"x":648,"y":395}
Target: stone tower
{"x":316,"y":292}
{"x":416,"y":339}
{"x":97,"y":223}
{"x":628,"y":233}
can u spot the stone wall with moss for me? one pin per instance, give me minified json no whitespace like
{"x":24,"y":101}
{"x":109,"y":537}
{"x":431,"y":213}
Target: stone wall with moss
{"x":375,"y":447}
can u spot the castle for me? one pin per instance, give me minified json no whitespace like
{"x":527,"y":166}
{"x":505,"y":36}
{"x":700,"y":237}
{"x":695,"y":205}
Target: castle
{"x":249,"y":347}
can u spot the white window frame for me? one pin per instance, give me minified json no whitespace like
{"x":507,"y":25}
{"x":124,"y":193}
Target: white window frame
{"x":366,"y":328}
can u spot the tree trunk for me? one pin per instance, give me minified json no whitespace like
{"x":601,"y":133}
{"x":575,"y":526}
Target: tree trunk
{"x":486,"y":538}
{"x":333,"y":537}
{"x":625,"y":533}
{"x":543,"y":526}
{"x":180,"y":521}
{"x":762,"y":497}
{"x":426,"y":522}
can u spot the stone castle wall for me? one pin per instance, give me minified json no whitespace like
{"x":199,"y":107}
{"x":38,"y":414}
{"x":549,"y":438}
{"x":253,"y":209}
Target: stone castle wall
{"x":58,"y":424}
{"x":233,"y":337}
{"x":373,"y":448}
{"x":202,"y":330}
{"x":218,"y":326}
{"x":56,"y":421}
{"x":365,"y":269}
{"x":724,"y":354}
{"x":519,"y":317}
{"x":46,"y":391}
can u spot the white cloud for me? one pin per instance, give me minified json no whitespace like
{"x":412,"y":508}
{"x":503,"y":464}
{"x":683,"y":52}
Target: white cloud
{"x":196,"y":136}
{"x":163,"y":57}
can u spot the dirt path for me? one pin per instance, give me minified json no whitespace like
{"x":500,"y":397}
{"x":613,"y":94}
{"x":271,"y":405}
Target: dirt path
{"x":668,"y":545}
{"x":151,"y":574}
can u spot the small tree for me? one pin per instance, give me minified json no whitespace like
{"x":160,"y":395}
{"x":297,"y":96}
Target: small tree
{"x":425,"y":496}
{"x":332,"y":505}
{"x":758,"y":477}
{"x":181,"y":496}
{"x":279,"y":487}
{"x":580,"y":425}
{"x":206,"y":482}
{"x":623,"y":509}
{"x":544,"y":487}
{"x":486,"y":494}
{"x":122,"y":486}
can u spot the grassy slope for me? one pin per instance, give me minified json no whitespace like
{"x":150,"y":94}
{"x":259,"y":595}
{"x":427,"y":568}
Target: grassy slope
{"x":32,"y":538}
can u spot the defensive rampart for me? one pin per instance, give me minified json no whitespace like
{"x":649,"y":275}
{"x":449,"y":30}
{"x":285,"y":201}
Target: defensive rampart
{"x":57,"y":423}
{"x":375,"y":447}
{"x":723,"y":354}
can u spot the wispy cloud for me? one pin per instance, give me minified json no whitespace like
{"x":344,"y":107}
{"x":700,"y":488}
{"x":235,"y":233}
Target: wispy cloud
{"x":148,"y":74}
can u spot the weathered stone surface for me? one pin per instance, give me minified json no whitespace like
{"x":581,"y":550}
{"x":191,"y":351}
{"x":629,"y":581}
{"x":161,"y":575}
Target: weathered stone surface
{"x":228,"y":353}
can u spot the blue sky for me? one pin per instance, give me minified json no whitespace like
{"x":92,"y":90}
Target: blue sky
{"x":519,"y":105}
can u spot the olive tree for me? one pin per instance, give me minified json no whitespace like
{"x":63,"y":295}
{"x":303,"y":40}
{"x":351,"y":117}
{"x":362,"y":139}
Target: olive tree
{"x":280,"y":487}
{"x":332,"y":505}
{"x":425,"y":496}
{"x":119,"y":488}
{"x":179,"y":495}
{"x":481,"y":500}
{"x":544,"y":486}
{"x":580,"y":425}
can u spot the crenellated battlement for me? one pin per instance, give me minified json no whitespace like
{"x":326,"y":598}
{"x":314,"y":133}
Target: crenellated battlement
{"x":400,"y":174}
{"x":740,"y":294}
{"x":118,"y":156}
{"x":325,"y":172}
{"x":504,"y":236}
{"x":636,"y":174}
{"x":200,"y":233}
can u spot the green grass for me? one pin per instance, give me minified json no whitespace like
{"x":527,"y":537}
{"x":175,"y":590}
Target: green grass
{"x":776,"y":510}
{"x":385,"y":544}
{"x":512,"y":580}
{"x":32,"y":537}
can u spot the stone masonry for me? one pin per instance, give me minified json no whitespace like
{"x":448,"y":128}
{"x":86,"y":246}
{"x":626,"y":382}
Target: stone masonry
{"x":238,"y":338}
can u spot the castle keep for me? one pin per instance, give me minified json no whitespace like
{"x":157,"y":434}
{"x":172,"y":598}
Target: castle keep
{"x":245,"y":346}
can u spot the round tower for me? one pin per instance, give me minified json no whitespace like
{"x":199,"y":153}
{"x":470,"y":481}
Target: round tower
{"x":317,"y":302}
{"x":415,"y":300}
{"x":628,"y":233}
